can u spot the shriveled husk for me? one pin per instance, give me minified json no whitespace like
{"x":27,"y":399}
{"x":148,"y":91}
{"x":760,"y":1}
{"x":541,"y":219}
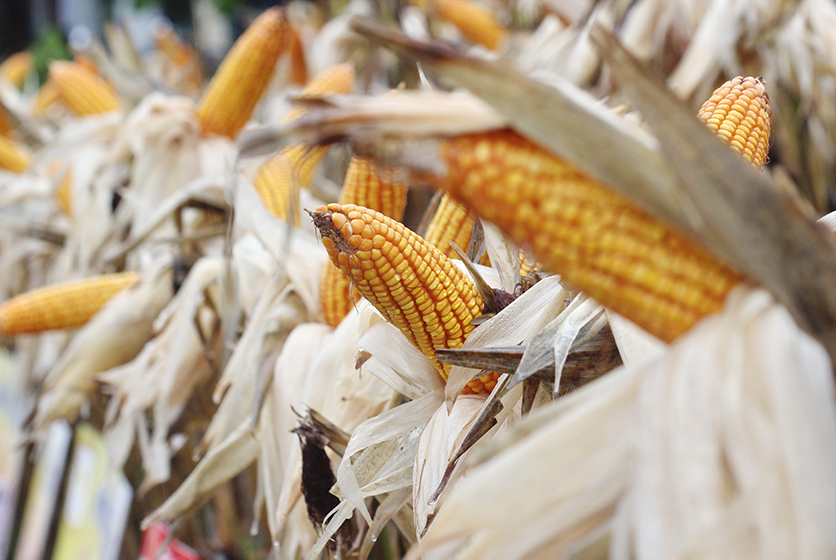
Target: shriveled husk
{"x":722,"y":446}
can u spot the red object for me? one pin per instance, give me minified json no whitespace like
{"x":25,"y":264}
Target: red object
{"x":153,"y":539}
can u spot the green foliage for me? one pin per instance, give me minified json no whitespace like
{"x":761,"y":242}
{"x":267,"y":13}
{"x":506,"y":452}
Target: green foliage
{"x":227,"y":7}
{"x":50,"y":45}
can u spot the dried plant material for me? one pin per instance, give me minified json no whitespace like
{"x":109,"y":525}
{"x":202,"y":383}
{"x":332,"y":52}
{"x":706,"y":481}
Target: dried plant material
{"x":409,"y":113}
{"x":516,"y":324}
{"x":440,"y":440}
{"x":113,"y":337}
{"x":674,"y":458}
{"x":224,"y":461}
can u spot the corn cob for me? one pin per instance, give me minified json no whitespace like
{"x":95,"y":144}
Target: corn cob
{"x":600,"y":242}
{"x":364,"y":186}
{"x":12,"y":157}
{"x":244,"y":74}
{"x":476,"y":22}
{"x":409,"y":281}
{"x":83,"y":91}
{"x":17,"y":67}
{"x":295,"y":165}
{"x":739,"y":112}
{"x":61,"y":306}
{"x":451,"y":222}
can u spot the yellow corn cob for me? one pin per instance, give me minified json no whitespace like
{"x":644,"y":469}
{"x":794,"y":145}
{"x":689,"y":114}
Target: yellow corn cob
{"x":46,"y":96}
{"x":739,"y":112}
{"x":364,"y":186}
{"x":13,"y":157}
{"x":451,"y":222}
{"x":84,"y":92}
{"x":17,"y":67}
{"x":409,"y":281}
{"x":476,"y":22}
{"x":244,"y":74}
{"x":600,"y":242}
{"x":61,"y":306}
{"x":281,"y":176}
{"x":295,"y":165}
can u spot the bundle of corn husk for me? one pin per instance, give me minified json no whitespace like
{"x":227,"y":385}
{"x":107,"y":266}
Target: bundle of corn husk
{"x":216,"y":362}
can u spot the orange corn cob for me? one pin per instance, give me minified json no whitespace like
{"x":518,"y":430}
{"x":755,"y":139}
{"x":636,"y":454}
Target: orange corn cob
{"x":292,"y":168}
{"x":364,"y":186}
{"x":61,"y":306}
{"x":599,"y":241}
{"x":476,"y":22}
{"x":17,"y":67}
{"x":13,"y":157}
{"x":84,"y":92}
{"x":409,"y":281}
{"x":451,"y":222}
{"x":244,"y":74}
{"x":739,"y":112}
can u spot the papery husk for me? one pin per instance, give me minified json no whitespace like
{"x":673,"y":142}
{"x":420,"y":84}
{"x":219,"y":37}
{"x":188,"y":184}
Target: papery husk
{"x":723,"y":446}
{"x":440,"y":440}
{"x":163,"y":377}
{"x":516,"y":324}
{"x":225,"y":460}
{"x":114,"y":336}
{"x":279,"y":459}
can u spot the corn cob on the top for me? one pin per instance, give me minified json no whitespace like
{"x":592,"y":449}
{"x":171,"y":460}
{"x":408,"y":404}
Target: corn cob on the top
{"x":84,"y":92}
{"x":375,"y":189}
{"x":61,"y":306}
{"x":409,"y":281}
{"x":244,"y":74}
{"x":600,"y":242}
{"x":739,"y":112}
